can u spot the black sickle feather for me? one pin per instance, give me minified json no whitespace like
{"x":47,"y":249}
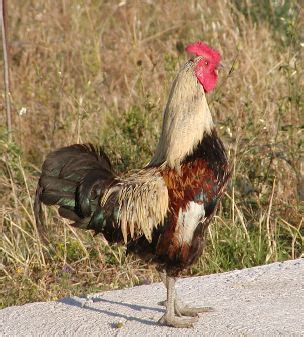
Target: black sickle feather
{"x":73,"y":178}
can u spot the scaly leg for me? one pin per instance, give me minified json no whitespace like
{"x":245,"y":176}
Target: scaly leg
{"x":180,"y":308}
{"x":170,"y":318}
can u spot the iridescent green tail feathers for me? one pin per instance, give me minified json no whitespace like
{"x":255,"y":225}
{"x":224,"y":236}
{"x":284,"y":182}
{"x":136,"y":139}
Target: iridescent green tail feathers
{"x":74,"y":178}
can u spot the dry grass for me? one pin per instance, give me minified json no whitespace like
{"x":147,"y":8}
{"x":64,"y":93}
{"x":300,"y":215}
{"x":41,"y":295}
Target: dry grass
{"x":99,"y":71}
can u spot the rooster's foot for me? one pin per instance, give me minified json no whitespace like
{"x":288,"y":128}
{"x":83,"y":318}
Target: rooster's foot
{"x":181,"y":309}
{"x":178,"y":322}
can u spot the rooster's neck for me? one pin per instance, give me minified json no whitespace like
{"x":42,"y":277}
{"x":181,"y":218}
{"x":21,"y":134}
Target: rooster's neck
{"x":187,"y":119}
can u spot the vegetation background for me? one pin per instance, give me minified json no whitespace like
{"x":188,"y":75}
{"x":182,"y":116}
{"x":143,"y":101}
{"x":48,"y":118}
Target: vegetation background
{"x":100,"y":71}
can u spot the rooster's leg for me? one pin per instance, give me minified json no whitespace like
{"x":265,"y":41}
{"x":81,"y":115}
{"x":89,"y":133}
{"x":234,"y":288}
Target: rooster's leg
{"x":180,"y":308}
{"x":170,"y":318}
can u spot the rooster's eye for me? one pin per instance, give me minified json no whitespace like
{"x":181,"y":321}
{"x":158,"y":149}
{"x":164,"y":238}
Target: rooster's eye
{"x":206,"y":63}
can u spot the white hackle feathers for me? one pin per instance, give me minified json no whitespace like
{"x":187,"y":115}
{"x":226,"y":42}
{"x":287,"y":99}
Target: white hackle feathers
{"x":142,"y":202}
{"x":186,"y":118}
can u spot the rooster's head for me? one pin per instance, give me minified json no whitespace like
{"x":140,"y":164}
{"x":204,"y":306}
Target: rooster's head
{"x":207,"y":61}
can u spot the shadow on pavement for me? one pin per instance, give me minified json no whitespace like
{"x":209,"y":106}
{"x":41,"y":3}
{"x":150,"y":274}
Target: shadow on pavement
{"x":84,"y":303}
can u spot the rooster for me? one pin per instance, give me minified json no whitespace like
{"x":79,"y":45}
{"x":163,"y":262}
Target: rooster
{"x":160,"y":212}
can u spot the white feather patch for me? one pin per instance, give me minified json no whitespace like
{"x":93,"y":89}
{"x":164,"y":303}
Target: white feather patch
{"x":189,"y":219}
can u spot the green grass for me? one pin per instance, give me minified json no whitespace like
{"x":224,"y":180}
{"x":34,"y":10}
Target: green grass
{"x":100,"y":72}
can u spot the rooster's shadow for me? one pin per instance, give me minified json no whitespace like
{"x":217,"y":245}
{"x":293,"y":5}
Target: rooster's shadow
{"x":85,"y":304}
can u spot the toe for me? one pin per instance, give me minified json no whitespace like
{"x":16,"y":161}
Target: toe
{"x":189,"y":311}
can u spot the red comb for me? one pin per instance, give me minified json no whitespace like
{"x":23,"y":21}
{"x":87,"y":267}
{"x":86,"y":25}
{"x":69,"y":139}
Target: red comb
{"x":202,"y":49}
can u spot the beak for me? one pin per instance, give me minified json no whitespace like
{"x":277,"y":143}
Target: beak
{"x":219,"y":67}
